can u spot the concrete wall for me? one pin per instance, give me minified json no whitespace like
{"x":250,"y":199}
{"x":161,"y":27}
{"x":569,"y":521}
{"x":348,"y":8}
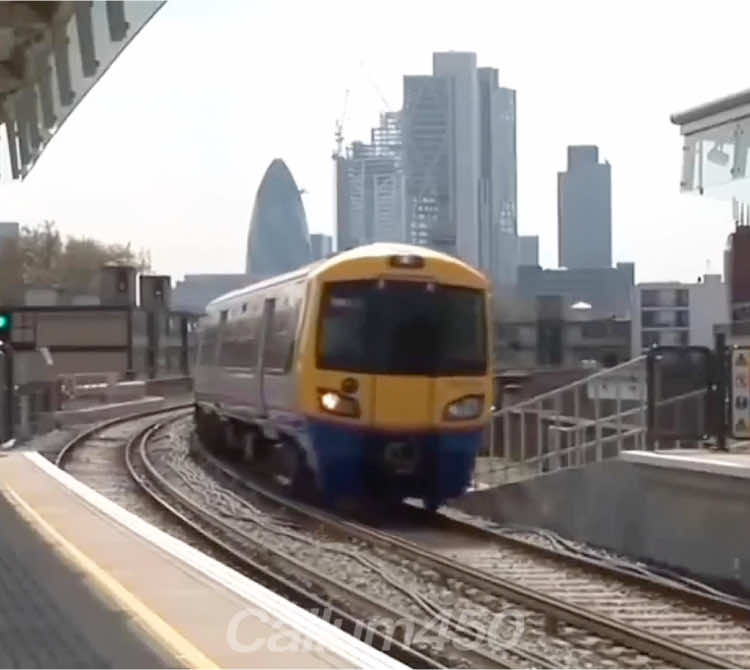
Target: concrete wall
{"x":690,"y":521}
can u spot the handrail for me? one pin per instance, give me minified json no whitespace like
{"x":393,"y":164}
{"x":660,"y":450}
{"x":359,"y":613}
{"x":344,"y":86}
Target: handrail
{"x":569,"y":387}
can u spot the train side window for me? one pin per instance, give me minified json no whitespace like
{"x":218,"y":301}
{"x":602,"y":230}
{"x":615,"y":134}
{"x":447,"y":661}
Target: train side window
{"x":207,"y":350}
{"x":240,"y":347}
{"x":284,"y":332}
{"x":274,"y":362}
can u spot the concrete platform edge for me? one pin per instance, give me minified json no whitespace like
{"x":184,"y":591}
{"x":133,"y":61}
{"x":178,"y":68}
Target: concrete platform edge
{"x":348,"y":647}
{"x":694,"y":463}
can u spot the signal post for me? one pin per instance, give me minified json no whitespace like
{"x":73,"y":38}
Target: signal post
{"x":6,"y":377}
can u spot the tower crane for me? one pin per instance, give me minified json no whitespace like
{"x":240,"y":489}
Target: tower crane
{"x":339,"y":134}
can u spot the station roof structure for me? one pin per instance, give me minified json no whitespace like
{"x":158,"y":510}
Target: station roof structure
{"x":51,"y":55}
{"x":716,"y":138}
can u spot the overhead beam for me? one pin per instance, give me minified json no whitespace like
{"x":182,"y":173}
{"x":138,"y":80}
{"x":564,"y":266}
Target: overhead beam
{"x":51,"y":54}
{"x":35,"y":15}
{"x":10,"y":78}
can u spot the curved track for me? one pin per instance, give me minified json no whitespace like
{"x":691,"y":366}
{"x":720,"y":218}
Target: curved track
{"x":680,"y":625}
{"x":215,"y":513}
{"x":602,"y":612}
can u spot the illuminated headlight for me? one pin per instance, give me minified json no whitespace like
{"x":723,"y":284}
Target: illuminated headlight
{"x":468,"y":407}
{"x":407,"y":261}
{"x":336,"y":403}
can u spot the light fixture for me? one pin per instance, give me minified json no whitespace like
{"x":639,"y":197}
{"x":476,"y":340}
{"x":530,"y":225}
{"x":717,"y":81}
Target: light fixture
{"x":717,"y":155}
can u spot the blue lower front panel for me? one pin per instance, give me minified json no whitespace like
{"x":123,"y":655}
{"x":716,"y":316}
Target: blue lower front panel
{"x":433,"y":466}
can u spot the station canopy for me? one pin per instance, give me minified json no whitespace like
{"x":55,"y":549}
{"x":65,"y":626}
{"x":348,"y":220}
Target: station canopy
{"x":51,"y":54}
{"x":715,"y":148}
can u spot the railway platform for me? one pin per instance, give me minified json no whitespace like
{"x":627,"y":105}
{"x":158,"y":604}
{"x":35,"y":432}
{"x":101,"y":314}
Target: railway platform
{"x":680,"y":509}
{"x":85,"y":583}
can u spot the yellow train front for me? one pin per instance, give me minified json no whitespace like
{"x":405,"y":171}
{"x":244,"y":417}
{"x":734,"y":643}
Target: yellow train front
{"x":395,"y":373}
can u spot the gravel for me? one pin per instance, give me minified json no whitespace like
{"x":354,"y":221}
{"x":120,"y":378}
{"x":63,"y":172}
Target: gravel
{"x":399,"y":582}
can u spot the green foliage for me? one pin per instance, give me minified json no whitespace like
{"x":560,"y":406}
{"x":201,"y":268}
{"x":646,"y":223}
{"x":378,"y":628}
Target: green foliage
{"x":40,"y":258}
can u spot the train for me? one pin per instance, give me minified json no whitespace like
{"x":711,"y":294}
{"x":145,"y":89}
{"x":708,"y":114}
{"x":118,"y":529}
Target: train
{"x":366,"y":375}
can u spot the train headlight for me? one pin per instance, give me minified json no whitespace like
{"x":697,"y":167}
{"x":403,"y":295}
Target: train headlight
{"x":406,"y":261}
{"x":334,"y":402}
{"x":463,"y":409}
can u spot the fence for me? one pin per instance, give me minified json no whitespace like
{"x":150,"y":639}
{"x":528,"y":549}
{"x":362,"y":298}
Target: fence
{"x":587,"y":421}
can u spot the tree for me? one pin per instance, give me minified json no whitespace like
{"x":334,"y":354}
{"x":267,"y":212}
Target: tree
{"x":11,"y":272}
{"x":41,"y":248}
{"x":39,"y":257}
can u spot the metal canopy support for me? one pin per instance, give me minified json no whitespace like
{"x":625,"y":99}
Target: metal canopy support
{"x":60,"y":43}
{"x":32,"y":105}
{"x":118,"y":26}
{"x":11,"y":131}
{"x":85,"y":27}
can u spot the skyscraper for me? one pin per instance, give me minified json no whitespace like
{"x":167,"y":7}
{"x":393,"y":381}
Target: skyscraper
{"x":459,"y":139}
{"x":499,"y":244}
{"x":278,"y":240}
{"x":529,"y":250}
{"x":584,"y":210}
{"x":321,"y":246}
{"x":441,"y":173}
{"x":370,"y":189}
{"x":460,"y":70}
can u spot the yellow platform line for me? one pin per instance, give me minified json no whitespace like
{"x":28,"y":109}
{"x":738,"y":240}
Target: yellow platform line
{"x":180,"y":647}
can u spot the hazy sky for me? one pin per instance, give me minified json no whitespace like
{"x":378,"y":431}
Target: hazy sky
{"x":168,"y":149}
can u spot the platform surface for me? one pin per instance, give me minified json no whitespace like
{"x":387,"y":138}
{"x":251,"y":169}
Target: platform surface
{"x":49,"y":615}
{"x":86,"y":583}
{"x":730,"y":464}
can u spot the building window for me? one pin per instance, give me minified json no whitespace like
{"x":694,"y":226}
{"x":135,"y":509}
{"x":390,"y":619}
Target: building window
{"x":665,"y":318}
{"x":667,"y":297}
{"x":649,"y":298}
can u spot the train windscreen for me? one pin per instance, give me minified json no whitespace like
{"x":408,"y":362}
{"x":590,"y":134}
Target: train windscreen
{"x":403,"y":328}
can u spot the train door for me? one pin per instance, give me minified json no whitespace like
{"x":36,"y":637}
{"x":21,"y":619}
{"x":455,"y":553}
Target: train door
{"x":266,"y":327}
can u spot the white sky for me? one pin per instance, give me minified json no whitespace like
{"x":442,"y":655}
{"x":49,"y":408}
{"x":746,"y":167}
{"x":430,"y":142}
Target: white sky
{"x":168,"y":149}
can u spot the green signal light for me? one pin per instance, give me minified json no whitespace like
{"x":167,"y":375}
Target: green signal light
{"x":4,"y":322}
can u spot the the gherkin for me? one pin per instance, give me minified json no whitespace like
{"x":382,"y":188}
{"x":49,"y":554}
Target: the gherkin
{"x":278,"y":240}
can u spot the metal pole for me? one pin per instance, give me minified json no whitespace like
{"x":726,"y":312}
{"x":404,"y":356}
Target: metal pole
{"x":650,"y":399}
{"x":618,"y":412}
{"x":579,"y":434}
{"x":539,"y":438}
{"x":10,"y":390}
{"x":720,"y":411}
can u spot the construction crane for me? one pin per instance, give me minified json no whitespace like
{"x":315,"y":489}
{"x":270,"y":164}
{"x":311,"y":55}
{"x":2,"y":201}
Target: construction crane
{"x":378,"y":91}
{"x":339,"y":134}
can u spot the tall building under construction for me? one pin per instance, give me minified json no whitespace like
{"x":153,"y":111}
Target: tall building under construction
{"x":441,"y":172}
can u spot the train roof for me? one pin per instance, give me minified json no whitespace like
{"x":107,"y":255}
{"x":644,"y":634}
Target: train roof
{"x":376,"y":250}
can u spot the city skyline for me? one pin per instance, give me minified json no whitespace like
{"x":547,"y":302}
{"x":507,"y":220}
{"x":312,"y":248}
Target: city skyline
{"x":151,"y":179}
{"x":441,"y":172}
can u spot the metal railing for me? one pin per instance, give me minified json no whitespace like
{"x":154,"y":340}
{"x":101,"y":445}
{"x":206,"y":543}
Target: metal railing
{"x":587,"y":421}
{"x":87,"y":384}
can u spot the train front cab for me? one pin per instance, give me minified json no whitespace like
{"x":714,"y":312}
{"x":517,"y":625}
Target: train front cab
{"x":398,"y":386}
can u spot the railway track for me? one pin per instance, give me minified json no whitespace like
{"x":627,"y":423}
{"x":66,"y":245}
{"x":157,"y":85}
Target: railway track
{"x":432,"y":637}
{"x":575,"y":611}
{"x":669,"y":605}
{"x":319,"y":593}
{"x":114,"y":431}
{"x":131,"y":433}
{"x":666,"y":621}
